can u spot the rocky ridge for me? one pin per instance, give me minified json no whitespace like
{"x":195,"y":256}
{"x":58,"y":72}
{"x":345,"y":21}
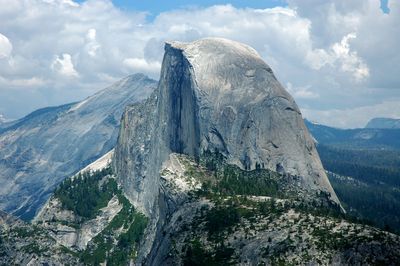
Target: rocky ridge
{"x":40,"y":150}
{"x":209,"y":225}
{"x":87,"y":221}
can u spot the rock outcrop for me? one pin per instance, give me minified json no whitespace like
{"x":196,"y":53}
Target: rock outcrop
{"x":213,"y":95}
{"x":221,"y":229}
{"x":24,"y":244}
{"x":61,"y":222}
{"x":40,"y":150}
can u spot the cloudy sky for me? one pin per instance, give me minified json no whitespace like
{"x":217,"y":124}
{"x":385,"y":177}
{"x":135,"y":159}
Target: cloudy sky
{"x":339,"y":59}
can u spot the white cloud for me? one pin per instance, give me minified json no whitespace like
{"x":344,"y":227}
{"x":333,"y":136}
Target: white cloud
{"x":339,"y":53}
{"x":92,"y":45}
{"x":5,"y":47}
{"x":350,"y":62}
{"x":141,"y":65}
{"x":303,"y":92}
{"x":65,"y":2}
{"x":29,"y":82}
{"x":354,"y":117}
{"x":63,"y":65}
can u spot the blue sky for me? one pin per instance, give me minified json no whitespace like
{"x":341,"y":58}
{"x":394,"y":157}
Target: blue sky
{"x":155,"y":7}
{"x":339,"y":59}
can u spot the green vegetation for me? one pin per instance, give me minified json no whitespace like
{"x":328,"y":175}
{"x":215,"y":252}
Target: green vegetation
{"x":197,"y":255}
{"x":235,"y":208}
{"x":84,"y":196}
{"x":24,"y":232}
{"x":373,"y":193}
{"x":34,"y":248}
{"x":231,"y":180}
{"x":379,"y":204}
{"x":368,"y":166}
{"x":124,"y":247}
{"x":235,"y":181}
{"x":222,"y":217}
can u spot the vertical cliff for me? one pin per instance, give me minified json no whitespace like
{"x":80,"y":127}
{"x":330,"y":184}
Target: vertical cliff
{"x":213,"y":95}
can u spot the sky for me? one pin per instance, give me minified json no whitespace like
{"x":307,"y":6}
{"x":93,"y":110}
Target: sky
{"x":338,"y":59}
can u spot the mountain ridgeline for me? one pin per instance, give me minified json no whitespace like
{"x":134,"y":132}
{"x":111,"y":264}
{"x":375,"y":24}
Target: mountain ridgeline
{"x":40,"y":150}
{"x":381,"y":122}
{"x":358,"y":138}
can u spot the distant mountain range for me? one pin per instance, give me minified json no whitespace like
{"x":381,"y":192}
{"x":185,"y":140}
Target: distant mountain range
{"x":378,"y":138}
{"x":383,"y":123}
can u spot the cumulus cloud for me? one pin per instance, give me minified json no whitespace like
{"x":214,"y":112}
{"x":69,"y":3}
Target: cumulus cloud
{"x":64,"y":66}
{"x":5,"y":47}
{"x":328,"y":59}
{"x":142,"y":65}
{"x":340,"y":54}
{"x":92,"y":45}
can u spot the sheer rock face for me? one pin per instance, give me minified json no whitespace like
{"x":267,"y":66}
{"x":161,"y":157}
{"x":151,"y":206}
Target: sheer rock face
{"x":212,"y":94}
{"x":239,"y":108}
{"x":215,"y":94}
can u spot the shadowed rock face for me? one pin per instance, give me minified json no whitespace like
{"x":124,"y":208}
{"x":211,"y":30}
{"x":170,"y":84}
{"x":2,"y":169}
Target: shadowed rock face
{"x":213,"y":94}
{"x":38,"y":151}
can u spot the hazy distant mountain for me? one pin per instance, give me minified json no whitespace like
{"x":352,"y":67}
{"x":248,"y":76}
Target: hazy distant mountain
{"x":38,"y":151}
{"x":383,"y":123}
{"x":355,"y":138}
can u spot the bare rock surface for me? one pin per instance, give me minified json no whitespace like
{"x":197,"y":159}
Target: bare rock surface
{"x":213,"y":95}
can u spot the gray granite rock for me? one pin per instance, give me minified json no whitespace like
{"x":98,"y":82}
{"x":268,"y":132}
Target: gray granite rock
{"x":213,"y":94}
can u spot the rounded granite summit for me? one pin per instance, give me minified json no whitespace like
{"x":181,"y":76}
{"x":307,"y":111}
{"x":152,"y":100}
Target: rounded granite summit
{"x":207,"y":46}
{"x":219,"y":95}
{"x":225,"y":65}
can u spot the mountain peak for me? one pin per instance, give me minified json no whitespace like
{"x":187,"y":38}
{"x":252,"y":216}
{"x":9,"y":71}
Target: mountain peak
{"x":382,"y":122}
{"x":214,"y":45}
{"x":215,"y":95}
